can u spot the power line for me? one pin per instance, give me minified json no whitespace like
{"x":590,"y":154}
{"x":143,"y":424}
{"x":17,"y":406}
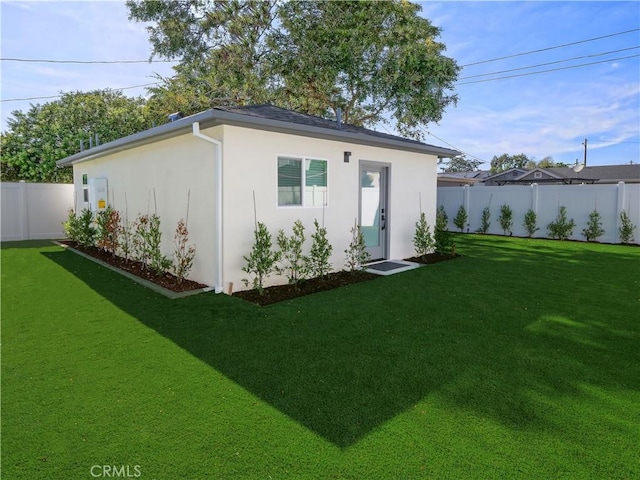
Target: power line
{"x":58,"y":96}
{"x":551,"y":48}
{"x":550,"y":70}
{"x":550,"y":63}
{"x":456,"y":148}
{"x":83,"y":62}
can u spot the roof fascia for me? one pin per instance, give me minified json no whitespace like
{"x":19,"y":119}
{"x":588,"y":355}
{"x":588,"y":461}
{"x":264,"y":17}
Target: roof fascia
{"x":212,"y":118}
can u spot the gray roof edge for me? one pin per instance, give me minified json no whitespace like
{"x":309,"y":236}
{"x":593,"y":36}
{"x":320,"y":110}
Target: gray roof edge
{"x":140,"y":138}
{"x":214,"y":117}
{"x":325,"y":133}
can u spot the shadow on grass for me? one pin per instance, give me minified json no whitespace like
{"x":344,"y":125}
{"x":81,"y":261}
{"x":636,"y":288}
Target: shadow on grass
{"x":342,"y":363}
{"x":26,"y":244}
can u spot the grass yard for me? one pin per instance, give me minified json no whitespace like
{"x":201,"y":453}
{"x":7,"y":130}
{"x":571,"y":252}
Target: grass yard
{"x":519,"y":360}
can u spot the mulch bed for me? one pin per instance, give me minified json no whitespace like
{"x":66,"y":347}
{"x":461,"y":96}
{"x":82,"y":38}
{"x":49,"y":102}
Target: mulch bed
{"x":168,"y":281}
{"x":280,"y":293}
{"x":277,"y":293}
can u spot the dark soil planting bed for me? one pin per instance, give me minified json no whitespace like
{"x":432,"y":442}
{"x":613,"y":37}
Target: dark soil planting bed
{"x":167,"y":280}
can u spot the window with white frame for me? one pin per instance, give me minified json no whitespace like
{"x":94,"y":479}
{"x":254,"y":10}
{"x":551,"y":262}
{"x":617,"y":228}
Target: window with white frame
{"x":302,"y":182}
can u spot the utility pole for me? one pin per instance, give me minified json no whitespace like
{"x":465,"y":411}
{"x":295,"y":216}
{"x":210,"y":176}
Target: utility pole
{"x":585,"y":152}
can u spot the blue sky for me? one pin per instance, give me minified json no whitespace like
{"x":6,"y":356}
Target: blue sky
{"x":539,"y":115}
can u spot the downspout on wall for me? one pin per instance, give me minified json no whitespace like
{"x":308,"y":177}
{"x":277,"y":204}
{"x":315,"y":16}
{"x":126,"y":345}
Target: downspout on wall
{"x":217,"y":240}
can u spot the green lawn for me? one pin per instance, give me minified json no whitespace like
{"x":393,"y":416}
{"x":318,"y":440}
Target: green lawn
{"x":520,"y":359}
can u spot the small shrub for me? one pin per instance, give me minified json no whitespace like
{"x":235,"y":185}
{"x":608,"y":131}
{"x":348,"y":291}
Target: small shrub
{"x":261,"y":260}
{"x":320,"y":253}
{"x":108,"y":231}
{"x":140,"y":234}
{"x":293,"y":263}
{"x":158,"y":262}
{"x":506,"y":219}
{"x":594,"y":227}
{"x":443,"y":241}
{"x":72,"y":226}
{"x":530,"y":222}
{"x":561,"y":228}
{"x":423,"y":241}
{"x":626,"y":228}
{"x":125,"y":242}
{"x":485,"y":220}
{"x":357,"y":255}
{"x":86,"y":230}
{"x":183,"y":253}
{"x":461,"y":218}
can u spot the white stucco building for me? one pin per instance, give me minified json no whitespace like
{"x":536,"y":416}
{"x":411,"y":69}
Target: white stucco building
{"x":296,"y":166}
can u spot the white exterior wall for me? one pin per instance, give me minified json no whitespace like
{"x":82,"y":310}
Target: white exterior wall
{"x":172,"y":167}
{"x":250,"y":164}
{"x":579,"y":200}
{"x":32,"y":211}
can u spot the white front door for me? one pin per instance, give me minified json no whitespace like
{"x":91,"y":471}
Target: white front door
{"x":374,"y":214}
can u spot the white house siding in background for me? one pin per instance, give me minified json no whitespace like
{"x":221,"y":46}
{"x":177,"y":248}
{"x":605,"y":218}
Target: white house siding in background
{"x":173,"y":167}
{"x":580,"y":200}
{"x":32,"y":211}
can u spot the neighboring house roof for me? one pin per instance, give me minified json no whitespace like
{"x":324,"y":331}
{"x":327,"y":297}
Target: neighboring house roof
{"x":455,"y":179}
{"x":264,"y":117}
{"x":566,"y":175}
{"x":474,"y":174}
{"x":512,"y":173}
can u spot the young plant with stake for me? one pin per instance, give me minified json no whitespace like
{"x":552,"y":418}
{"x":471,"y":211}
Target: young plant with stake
{"x":261,"y":260}
{"x":183,"y":253}
{"x":357,"y":255}
{"x":293,"y":263}
{"x":109,"y":230}
{"x":423,"y":241}
{"x":320,"y":253}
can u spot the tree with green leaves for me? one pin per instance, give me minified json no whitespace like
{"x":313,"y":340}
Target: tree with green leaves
{"x":507,"y":162}
{"x":373,"y":60}
{"x":546,"y":162}
{"x":460,"y":163}
{"x":37,"y":139}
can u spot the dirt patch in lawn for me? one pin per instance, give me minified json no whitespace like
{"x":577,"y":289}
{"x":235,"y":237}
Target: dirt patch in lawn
{"x":279,"y":293}
{"x":167,"y":280}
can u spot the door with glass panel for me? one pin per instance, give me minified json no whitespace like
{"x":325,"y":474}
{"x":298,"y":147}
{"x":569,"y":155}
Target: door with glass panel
{"x":374,"y":215}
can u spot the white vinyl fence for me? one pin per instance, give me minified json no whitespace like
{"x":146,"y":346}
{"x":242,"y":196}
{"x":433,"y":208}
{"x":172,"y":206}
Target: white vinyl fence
{"x":545,"y":200}
{"x":32,"y":211}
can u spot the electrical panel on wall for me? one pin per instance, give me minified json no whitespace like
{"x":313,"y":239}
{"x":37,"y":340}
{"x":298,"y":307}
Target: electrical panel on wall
{"x":98,"y":200}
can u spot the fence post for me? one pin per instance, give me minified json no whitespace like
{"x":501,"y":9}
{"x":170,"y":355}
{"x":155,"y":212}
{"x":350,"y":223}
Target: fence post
{"x":619,"y":209}
{"x":534,"y":197}
{"x":23,"y":210}
{"x":466,"y":193}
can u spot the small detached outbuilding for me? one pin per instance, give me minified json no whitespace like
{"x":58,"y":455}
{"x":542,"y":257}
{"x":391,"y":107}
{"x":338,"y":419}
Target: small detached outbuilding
{"x":231,"y":167}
